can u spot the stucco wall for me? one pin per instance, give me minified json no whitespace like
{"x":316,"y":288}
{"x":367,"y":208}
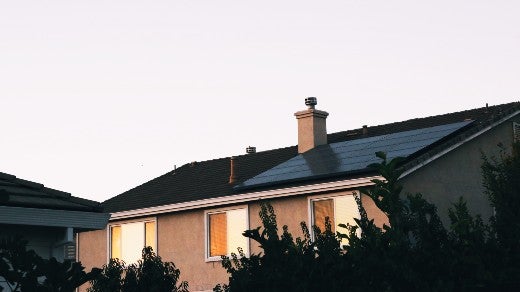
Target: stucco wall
{"x":92,"y":250}
{"x":181,"y":239}
{"x":293,"y":210}
{"x":458,"y":173}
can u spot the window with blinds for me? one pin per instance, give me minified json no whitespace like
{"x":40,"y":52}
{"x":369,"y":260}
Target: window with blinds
{"x":224,"y":230}
{"x":127,"y":240}
{"x":339,"y":209}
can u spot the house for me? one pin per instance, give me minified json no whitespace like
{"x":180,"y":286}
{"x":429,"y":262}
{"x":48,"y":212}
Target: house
{"x":47,"y":219}
{"x":194,"y":214}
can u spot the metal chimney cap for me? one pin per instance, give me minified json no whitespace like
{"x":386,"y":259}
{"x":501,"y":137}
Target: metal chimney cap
{"x":250,"y":149}
{"x":311,"y":102}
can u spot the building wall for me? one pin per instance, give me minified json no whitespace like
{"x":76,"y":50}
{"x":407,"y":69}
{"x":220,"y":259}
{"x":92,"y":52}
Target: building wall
{"x":92,"y":250}
{"x":458,"y":173}
{"x":181,"y":239}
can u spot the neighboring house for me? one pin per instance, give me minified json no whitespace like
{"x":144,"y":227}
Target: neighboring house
{"x":194,"y":214}
{"x":48,"y":219}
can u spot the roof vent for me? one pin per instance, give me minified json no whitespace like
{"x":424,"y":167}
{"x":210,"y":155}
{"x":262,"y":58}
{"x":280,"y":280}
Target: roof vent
{"x":250,"y":149}
{"x":365,"y":129}
{"x":311,"y":102}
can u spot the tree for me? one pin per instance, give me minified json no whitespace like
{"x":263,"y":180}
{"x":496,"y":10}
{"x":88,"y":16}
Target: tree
{"x":414,"y":252}
{"x":24,"y":270}
{"x":150,"y":273}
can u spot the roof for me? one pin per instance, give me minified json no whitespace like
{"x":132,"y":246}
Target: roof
{"x":210,"y":179}
{"x":352,"y":156}
{"x":25,"y":202}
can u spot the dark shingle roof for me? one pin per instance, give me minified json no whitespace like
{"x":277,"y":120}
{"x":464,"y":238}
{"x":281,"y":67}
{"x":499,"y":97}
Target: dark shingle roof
{"x":16,"y":192}
{"x":342,"y":159}
{"x":209,"y":179}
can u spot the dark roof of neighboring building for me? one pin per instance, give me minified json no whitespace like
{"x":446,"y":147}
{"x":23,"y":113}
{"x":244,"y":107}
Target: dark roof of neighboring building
{"x":210,"y":179}
{"x":16,"y":192}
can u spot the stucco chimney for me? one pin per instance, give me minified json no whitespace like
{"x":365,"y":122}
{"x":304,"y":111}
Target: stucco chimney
{"x":312,"y":127}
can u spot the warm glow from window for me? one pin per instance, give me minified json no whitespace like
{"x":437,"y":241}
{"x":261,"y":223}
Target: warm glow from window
{"x":340,"y":210}
{"x":322,"y":209}
{"x":225,"y":232}
{"x":128,"y":240}
{"x":217,"y":234}
{"x":150,"y":234}
{"x":115,"y":234}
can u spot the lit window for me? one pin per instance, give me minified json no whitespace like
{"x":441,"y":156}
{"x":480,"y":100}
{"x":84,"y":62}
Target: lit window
{"x":339,"y":209}
{"x":224,"y":230}
{"x":127,"y":240}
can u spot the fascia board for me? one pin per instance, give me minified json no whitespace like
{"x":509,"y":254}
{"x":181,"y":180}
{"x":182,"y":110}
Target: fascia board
{"x":246,"y":197}
{"x":455,"y":146}
{"x":54,"y":218}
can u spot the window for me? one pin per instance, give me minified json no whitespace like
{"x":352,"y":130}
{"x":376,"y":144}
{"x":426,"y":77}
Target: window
{"x":340,"y":210}
{"x":224,"y":230}
{"x":128,"y":239}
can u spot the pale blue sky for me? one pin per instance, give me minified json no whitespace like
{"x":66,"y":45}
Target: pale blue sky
{"x":97,"y":97}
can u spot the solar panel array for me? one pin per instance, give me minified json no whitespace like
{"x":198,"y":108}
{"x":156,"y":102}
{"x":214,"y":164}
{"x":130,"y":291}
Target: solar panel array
{"x":351,"y":156}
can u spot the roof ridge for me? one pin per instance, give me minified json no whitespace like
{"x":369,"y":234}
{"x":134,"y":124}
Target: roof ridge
{"x":170,"y":186}
{"x":188,"y":164}
{"x":492,"y":107}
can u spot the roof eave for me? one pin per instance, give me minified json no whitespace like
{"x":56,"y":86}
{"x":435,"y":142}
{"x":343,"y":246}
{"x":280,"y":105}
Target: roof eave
{"x":248,"y":197}
{"x":53,"y":218}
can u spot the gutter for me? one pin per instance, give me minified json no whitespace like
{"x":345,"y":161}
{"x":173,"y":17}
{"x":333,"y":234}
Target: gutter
{"x":247,"y":197}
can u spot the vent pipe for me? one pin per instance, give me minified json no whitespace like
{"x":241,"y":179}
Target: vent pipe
{"x":233,"y":172}
{"x":250,"y":149}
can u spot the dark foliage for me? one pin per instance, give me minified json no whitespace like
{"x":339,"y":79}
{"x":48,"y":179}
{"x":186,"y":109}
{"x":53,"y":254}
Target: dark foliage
{"x":149,"y":274}
{"x":24,"y":270}
{"x":415,"y":252}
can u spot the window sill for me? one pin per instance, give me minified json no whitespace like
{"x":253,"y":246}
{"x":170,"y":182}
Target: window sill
{"x":213,"y":259}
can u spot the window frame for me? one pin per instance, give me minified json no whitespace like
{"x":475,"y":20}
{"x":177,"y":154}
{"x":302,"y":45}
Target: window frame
{"x":207,"y":213}
{"x":120,"y":223}
{"x":313,"y":198}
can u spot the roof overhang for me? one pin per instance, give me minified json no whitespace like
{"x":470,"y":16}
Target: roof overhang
{"x":458,"y":144}
{"x":247,"y":197}
{"x":53,"y":218}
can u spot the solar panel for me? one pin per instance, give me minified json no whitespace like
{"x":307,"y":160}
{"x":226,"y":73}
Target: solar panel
{"x":350,"y":156}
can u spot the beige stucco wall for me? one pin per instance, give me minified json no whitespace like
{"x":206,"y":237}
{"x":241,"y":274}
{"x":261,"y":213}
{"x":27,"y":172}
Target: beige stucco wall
{"x":92,"y":250}
{"x":292,"y":211}
{"x":444,"y":180}
{"x":181,"y":238}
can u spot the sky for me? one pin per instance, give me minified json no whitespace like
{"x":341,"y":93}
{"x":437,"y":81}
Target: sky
{"x":97,"y":97}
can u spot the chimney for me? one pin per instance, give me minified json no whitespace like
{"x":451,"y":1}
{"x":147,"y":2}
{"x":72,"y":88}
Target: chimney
{"x":312,"y":128}
{"x":233,"y":176}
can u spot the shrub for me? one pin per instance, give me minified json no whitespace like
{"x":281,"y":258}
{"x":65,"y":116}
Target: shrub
{"x":150,"y":273}
{"x":24,"y":270}
{"x":415,"y":252}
